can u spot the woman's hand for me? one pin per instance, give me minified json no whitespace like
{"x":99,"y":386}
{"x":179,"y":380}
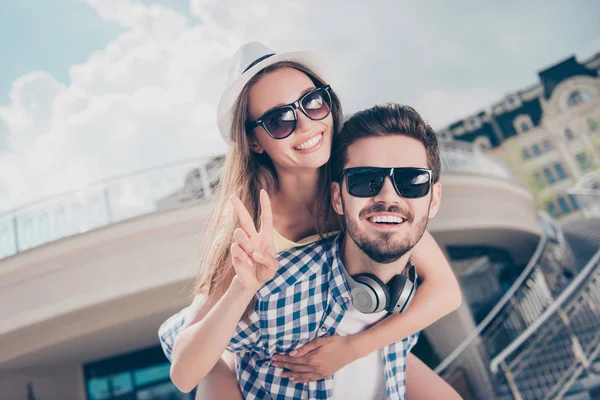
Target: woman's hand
{"x":318,"y":359}
{"x":253,"y":252}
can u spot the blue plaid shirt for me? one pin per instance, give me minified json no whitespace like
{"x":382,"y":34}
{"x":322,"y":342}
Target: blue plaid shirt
{"x":306,"y":299}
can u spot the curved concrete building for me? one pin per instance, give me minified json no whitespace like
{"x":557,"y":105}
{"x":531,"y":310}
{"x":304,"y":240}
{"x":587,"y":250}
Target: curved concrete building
{"x":87,"y":278}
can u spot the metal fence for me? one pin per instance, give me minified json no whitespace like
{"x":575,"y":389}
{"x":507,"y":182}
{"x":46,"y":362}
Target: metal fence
{"x":106,"y":203}
{"x":546,"y":359}
{"x":166,"y":187}
{"x":463,"y":157}
{"x":527,"y":299}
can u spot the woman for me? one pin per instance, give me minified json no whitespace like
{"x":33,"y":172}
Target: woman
{"x":279,"y":117}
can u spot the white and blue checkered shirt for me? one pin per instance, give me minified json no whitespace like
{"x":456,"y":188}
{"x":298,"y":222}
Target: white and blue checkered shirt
{"x":306,"y":299}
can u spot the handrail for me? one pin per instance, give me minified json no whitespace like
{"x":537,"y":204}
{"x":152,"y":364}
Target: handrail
{"x":573,"y":286}
{"x":39,"y":231}
{"x":585,"y":180}
{"x":108,"y":202}
{"x":497,"y":308}
{"x":104,"y":182}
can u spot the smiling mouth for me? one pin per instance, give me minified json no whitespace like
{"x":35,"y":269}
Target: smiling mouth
{"x":310,"y":143}
{"x":386,"y":220}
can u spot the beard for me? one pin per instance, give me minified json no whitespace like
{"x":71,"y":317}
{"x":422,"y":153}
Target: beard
{"x":385,"y":247}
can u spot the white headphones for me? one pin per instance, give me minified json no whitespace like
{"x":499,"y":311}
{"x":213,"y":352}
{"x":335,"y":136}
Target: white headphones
{"x":371,"y":295}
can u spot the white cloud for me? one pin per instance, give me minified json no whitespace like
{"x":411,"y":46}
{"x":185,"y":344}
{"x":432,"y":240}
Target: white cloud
{"x":149,"y":97}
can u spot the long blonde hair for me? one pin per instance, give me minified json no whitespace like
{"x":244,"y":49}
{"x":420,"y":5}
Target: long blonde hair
{"x":245,"y":173}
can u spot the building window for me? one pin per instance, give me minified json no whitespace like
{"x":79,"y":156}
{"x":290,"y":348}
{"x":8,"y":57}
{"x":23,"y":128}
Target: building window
{"x":526,"y":155}
{"x":562,"y":203}
{"x":552,"y":209}
{"x":522,"y":123}
{"x":574,"y":202}
{"x":584,"y":161}
{"x":569,"y":134}
{"x":445,"y":135}
{"x":547,"y":145}
{"x":560,"y":172}
{"x":474,"y":122}
{"x":549,"y":177}
{"x":482,"y":143}
{"x":139,"y":375}
{"x":110,"y":386}
{"x":536,"y":150}
{"x":577,"y":97}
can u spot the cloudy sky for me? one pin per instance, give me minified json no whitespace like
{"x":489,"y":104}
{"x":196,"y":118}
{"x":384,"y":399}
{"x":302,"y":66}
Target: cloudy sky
{"x":91,"y":89}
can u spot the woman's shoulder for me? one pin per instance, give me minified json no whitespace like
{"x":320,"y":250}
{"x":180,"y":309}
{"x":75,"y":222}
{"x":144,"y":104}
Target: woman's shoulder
{"x":284,"y":244}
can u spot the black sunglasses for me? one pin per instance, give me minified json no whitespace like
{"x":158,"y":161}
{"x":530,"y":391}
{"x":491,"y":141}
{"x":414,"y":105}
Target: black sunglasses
{"x":280,"y":122}
{"x":409,"y":182}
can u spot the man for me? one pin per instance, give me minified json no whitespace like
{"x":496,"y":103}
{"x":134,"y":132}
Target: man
{"x":385,"y":170}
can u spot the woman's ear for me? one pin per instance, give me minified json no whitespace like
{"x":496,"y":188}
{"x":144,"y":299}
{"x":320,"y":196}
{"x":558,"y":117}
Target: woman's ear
{"x":254,"y":145}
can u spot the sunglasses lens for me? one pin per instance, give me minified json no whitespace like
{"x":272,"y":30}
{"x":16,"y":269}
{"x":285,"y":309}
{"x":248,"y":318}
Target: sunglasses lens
{"x":412,"y":183}
{"x":280,"y":122}
{"x":317,"y":104}
{"x":365,"y":182}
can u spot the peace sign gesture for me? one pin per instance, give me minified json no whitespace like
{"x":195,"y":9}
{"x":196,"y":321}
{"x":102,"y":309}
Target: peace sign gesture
{"x":253,"y":252}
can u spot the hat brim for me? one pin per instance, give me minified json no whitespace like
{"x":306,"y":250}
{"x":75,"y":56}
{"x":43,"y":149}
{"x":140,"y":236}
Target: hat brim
{"x":311,"y":59}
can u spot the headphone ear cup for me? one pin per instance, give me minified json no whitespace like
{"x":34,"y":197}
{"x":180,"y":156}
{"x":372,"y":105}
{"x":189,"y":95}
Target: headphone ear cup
{"x":401,"y":291}
{"x":371,"y":294}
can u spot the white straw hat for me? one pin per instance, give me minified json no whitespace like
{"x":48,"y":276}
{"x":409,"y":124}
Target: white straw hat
{"x":250,"y":59}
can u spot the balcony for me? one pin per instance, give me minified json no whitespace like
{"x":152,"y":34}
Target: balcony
{"x":482,"y":203}
{"x":119,"y":245}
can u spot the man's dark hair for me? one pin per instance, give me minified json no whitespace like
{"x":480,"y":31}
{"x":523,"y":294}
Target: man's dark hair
{"x":383,"y":120}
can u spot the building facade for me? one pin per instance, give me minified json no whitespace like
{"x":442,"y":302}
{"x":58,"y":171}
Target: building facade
{"x":548,"y":134}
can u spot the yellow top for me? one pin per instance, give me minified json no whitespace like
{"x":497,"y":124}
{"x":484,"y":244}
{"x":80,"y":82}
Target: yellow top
{"x":283,"y":244}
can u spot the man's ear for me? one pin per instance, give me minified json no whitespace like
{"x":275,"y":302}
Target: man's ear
{"x":436,"y":199}
{"x":336,"y":198}
{"x":254,"y":145}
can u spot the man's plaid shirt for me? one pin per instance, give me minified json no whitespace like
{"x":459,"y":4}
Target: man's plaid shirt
{"x":306,"y":299}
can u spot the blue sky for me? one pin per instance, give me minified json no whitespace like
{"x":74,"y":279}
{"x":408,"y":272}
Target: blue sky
{"x":52,"y":36}
{"x":101,"y":88}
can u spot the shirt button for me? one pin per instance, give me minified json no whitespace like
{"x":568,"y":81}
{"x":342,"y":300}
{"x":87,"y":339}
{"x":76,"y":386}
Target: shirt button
{"x":323,"y":329}
{"x":346,"y":300}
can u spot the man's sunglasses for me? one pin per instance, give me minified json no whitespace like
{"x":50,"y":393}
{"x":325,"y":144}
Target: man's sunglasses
{"x":409,"y":182}
{"x":280,"y":122}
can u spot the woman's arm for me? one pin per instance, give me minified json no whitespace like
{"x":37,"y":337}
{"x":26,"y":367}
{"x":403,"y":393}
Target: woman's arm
{"x":221,"y":382}
{"x":199,"y":346}
{"x":437,"y":296}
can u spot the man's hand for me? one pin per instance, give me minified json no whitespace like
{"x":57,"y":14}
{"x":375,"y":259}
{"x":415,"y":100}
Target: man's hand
{"x":317,"y":359}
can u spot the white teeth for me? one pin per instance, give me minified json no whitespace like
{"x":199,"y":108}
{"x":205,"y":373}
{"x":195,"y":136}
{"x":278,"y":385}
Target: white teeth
{"x":309,"y":143}
{"x":386,"y":219}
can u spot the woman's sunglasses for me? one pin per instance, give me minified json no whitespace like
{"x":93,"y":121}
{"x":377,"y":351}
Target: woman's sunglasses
{"x":280,"y":122}
{"x":409,"y":182}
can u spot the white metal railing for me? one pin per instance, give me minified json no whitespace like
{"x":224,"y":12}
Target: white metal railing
{"x":107,"y":202}
{"x":462,"y":157}
{"x":548,"y":357}
{"x":523,"y":304}
{"x":587,"y":194}
{"x":144,"y":192}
